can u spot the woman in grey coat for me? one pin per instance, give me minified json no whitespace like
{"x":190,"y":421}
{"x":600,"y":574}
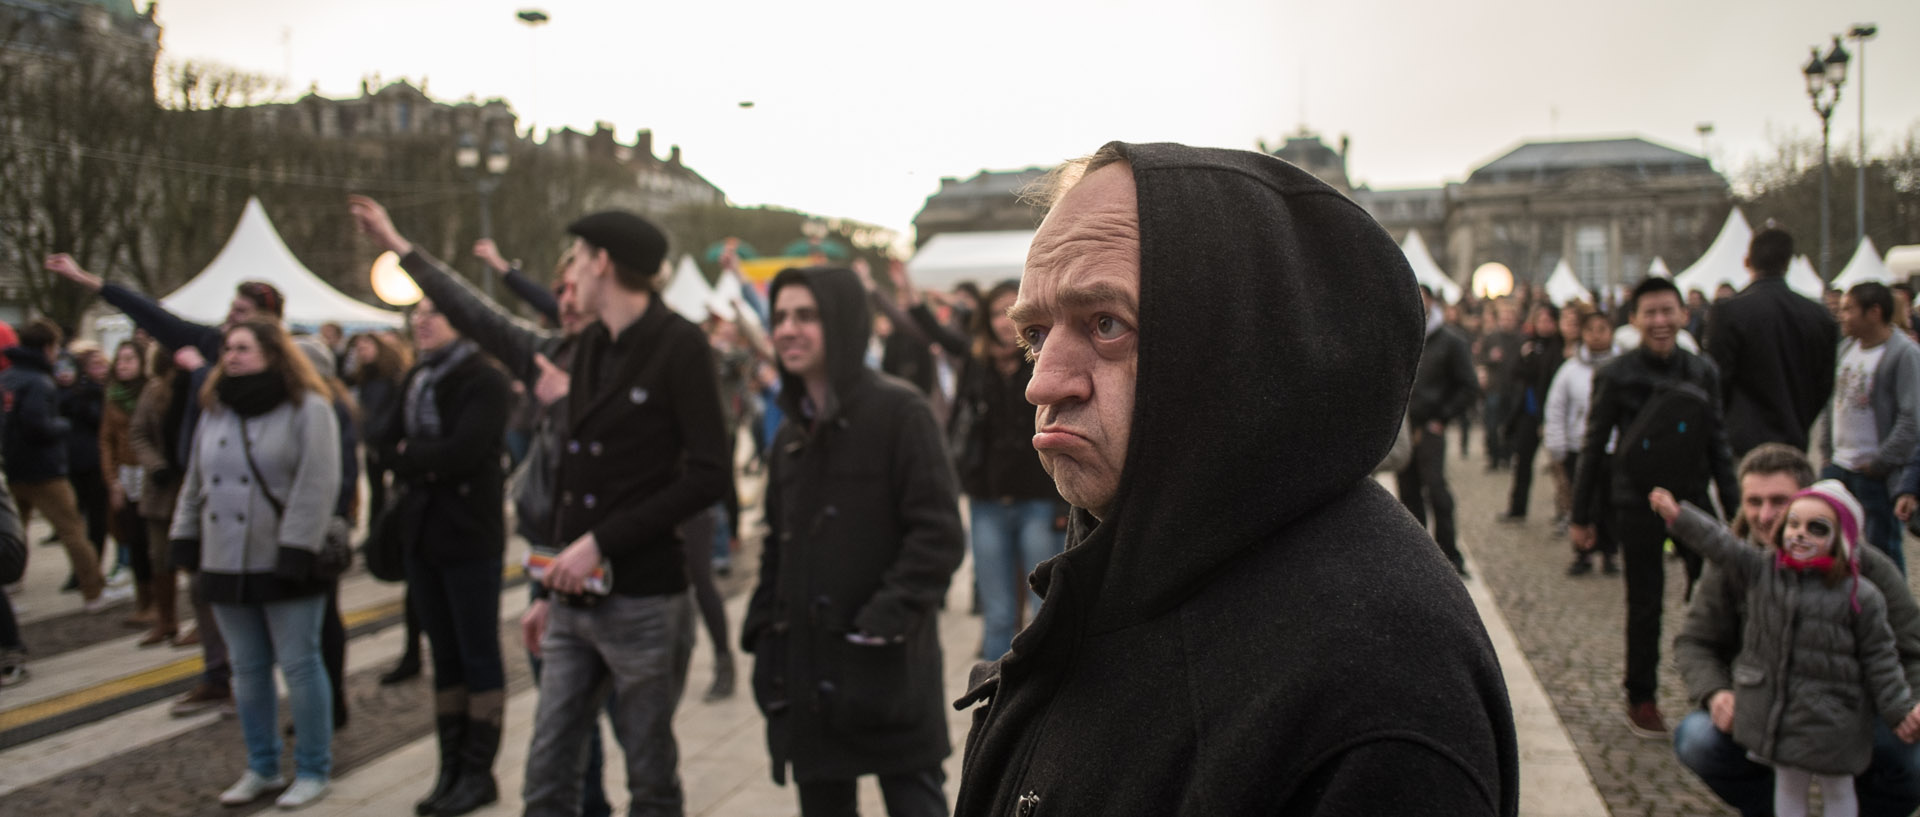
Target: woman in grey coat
{"x":1817,"y":661}
{"x":260,"y":486}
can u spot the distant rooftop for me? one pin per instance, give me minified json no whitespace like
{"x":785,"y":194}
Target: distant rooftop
{"x":991,"y":183}
{"x":1535,"y":159}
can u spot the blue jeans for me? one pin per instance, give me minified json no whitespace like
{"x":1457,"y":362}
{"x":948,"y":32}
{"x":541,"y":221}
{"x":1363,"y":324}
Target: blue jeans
{"x":1010,"y":539}
{"x":1880,"y":527}
{"x":288,"y":633}
{"x":1889,"y":788}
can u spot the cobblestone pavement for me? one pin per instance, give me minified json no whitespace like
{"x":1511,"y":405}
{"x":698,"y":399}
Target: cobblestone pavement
{"x":1573,"y":631}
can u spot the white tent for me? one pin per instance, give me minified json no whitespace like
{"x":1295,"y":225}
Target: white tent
{"x":687,"y":291}
{"x":256,"y":253}
{"x":1802,"y":279}
{"x":1426,"y":271}
{"x":1725,"y":261}
{"x":1865,"y":266}
{"x":1563,"y":287}
{"x":985,"y":258}
{"x":1904,"y":261}
{"x":1657,"y":269}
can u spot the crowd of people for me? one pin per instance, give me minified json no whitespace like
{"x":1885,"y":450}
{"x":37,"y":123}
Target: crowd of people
{"x":1126,"y":542}
{"x":1649,"y":413}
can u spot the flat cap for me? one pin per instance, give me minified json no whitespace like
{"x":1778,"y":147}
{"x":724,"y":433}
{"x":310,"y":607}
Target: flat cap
{"x":630,"y":240}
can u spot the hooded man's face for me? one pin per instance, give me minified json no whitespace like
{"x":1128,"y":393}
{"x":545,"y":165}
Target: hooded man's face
{"x":1078,"y":315}
{"x":798,"y":338}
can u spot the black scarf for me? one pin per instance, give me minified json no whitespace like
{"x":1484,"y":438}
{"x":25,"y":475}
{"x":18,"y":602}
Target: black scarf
{"x":251,"y":395}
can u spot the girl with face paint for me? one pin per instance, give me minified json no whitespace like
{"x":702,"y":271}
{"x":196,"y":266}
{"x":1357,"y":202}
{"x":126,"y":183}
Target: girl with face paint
{"x":1817,"y":661}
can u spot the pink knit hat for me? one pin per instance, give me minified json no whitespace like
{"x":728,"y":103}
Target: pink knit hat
{"x":1846,"y":508}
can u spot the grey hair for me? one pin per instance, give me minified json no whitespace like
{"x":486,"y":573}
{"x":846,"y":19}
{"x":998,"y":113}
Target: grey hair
{"x":1049,"y":189}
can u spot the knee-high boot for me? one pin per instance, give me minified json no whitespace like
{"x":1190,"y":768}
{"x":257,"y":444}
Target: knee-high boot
{"x":450,"y":724}
{"x":476,"y":786}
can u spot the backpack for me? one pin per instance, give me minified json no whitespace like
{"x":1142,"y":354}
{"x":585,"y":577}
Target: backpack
{"x":1666,"y":446}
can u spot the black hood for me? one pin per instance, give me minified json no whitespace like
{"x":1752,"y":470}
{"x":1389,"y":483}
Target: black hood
{"x":29,"y":358}
{"x":846,"y":322}
{"x":1280,"y":327}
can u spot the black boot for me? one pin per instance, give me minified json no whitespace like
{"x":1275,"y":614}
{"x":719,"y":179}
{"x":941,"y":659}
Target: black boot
{"x":476,"y":786}
{"x":450,"y":724}
{"x":407,"y":669}
{"x":722,"y":688}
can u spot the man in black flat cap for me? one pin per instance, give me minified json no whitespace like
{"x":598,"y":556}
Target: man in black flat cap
{"x":644,"y":448}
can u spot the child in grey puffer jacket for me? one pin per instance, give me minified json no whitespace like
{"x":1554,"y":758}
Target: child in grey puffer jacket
{"x":1817,"y":660}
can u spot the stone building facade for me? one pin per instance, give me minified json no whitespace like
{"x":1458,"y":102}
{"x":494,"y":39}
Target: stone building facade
{"x":989,"y":200}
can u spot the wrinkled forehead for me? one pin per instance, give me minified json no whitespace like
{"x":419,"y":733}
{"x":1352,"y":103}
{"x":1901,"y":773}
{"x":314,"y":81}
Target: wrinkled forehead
{"x":1088,"y":248}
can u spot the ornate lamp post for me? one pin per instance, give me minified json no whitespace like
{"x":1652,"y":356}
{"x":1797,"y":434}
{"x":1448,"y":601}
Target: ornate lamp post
{"x":1861,"y":33}
{"x":1825,"y":76}
{"x":486,"y":179}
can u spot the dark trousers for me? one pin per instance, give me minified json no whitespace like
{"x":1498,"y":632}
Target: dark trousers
{"x":913,"y":794}
{"x":1642,"y":535}
{"x":131,"y":531}
{"x":1495,"y":417}
{"x":90,"y":493}
{"x":696,"y":535}
{"x":333,"y":652}
{"x":1526,"y":443}
{"x":1890,"y":787}
{"x":218,"y":672}
{"x":1423,"y":483}
{"x":638,"y":648}
{"x":9,"y":625}
{"x":376,"y":489}
{"x":458,"y":605}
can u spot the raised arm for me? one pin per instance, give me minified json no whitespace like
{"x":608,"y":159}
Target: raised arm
{"x":172,"y":331}
{"x":528,"y":289}
{"x":510,"y":340}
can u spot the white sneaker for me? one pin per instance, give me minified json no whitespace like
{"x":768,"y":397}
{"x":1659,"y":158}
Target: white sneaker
{"x":120,"y":577}
{"x":108,"y":598}
{"x":303,"y":792}
{"x":249,"y":789}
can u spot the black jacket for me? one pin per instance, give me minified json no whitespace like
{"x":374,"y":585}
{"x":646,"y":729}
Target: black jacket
{"x":84,"y":404}
{"x":35,"y":442}
{"x":1540,"y":359}
{"x":1620,"y":389}
{"x":863,"y":537}
{"x":1256,"y":627}
{"x":454,"y":483}
{"x":1445,"y":385}
{"x":990,"y":426}
{"x":1775,"y":350}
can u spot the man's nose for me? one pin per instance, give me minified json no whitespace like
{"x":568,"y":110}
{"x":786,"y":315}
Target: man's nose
{"x":1061,"y":373}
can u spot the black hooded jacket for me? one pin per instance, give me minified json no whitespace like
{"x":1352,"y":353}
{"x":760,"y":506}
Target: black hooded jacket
{"x":863,"y":536}
{"x":1256,"y":627}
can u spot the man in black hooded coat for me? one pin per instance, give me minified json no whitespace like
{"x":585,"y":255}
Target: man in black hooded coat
{"x":1244,"y":622}
{"x":863,"y":537}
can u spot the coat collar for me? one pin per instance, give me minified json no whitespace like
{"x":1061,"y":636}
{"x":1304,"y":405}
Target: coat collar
{"x":592,"y":347}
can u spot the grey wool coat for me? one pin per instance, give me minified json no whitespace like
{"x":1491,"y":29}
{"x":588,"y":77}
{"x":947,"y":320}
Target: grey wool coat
{"x":248,"y":554}
{"x":1812,"y":673}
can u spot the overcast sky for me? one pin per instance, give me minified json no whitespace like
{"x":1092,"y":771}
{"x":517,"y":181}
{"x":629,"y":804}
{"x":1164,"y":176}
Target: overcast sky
{"x":862,"y":105}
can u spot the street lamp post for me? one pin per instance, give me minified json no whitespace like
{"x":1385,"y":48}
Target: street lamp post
{"x":1860,"y":34}
{"x":486,"y":179}
{"x":1824,"y":75}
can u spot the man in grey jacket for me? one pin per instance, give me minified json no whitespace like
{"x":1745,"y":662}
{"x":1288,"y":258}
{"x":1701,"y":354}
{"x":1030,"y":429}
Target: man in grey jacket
{"x":1710,"y":640}
{"x":1873,"y":422}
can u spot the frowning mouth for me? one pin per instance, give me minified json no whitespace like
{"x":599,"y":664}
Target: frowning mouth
{"x":1056,"y":437}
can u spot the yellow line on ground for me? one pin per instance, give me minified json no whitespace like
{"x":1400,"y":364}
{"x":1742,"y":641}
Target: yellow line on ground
{"x":168,"y":673}
{"x":105,"y":691}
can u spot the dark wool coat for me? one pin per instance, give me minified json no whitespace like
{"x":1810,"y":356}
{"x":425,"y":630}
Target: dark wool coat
{"x":455,"y":483}
{"x":1776,"y":351}
{"x":642,"y":454}
{"x":1256,"y":627}
{"x":35,"y":439}
{"x":864,"y":536}
{"x":1444,"y":386}
{"x":1812,"y":673}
